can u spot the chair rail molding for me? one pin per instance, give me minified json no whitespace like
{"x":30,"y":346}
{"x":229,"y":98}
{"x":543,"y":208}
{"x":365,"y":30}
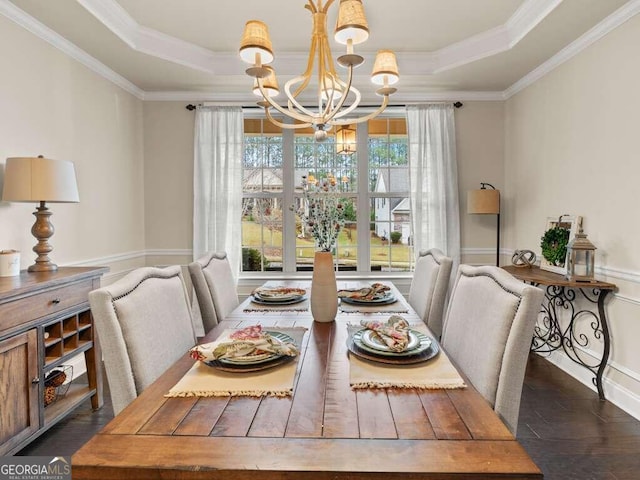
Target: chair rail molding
{"x":604,"y":271}
{"x":616,"y":393}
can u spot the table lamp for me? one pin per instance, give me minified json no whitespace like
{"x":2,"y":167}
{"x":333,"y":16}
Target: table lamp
{"x":485,"y":201}
{"x":40,"y":180}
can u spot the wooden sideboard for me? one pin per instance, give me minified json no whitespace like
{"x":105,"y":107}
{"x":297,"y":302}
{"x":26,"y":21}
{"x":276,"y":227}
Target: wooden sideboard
{"x":45,"y":321}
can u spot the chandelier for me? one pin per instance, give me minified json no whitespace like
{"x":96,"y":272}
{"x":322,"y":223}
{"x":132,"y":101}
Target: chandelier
{"x":332,"y":92}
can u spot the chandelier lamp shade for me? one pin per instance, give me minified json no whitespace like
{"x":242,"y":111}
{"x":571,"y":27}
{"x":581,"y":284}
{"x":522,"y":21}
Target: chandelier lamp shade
{"x":336,"y":97}
{"x":40,"y":180}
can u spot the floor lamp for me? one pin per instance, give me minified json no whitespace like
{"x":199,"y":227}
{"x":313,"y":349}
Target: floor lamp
{"x":486,"y":201}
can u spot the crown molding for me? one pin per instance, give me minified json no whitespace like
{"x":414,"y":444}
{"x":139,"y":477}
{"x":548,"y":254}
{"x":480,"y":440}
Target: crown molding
{"x":527,"y":17}
{"x":147,"y":40}
{"x":153,"y":42}
{"x":118,"y":20}
{"x":497,"y":39}
{"x":403,"y":97}
{"x":613,"y":21}
{"x":40,"y":30}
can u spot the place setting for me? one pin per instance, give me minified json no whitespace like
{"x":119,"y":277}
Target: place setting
{"x":393,"y":354}
{"x":278,"y":298}
{"x":252,"y":361}
{"x":376,"y":297}
{"x":248,"y":350}
{"x":392,"y":342}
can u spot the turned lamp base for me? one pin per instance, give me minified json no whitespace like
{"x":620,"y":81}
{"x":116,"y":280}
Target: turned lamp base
{"x":42,"y":230}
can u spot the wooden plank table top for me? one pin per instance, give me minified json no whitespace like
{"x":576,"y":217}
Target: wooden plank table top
{"x":537,"y":276}
{"x":326,"y":430}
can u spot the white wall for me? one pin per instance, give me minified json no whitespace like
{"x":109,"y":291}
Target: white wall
{"x":168,"y":153}
{"x":53,"y":106}
{"x":480,"y":150}
{"x":572,"y":147}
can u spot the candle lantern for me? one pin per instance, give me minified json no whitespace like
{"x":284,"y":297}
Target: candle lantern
{"x":581,"y":258}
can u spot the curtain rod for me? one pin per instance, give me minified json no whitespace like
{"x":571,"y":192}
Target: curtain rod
{"x":191,"y":106}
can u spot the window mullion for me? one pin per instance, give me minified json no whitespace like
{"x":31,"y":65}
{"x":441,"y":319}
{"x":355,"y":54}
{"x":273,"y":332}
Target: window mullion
{"x":289,"y":220}
{"x":364,"y":208}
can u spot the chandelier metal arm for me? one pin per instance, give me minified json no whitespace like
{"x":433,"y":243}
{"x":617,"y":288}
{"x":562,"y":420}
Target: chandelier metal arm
{"x":309,"y":70}
{"x":288,"y":112}
{"x":350,"y":121}
{"x":346,"y":89}
{"x":306,"y":115}
{"x":288,"y":126}
{"x":328,"y":115}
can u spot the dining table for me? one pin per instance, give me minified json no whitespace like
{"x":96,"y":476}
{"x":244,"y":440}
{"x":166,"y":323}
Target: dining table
{"x":324,"y":426}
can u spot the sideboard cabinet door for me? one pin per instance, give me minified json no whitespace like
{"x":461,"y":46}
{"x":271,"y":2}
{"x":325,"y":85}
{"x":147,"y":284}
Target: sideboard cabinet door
{"x":19,"y":389}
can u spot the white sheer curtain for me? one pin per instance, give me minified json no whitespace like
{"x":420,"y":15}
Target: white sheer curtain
{"x":217,"y":183}
{"x":433,"y":176}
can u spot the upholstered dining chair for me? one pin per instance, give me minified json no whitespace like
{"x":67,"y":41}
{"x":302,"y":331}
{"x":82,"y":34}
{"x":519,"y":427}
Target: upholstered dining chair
{"x":487,"y":332}
{"x":428,"y":292}
{"x":215,"y":287}
{"x":144,"y":325}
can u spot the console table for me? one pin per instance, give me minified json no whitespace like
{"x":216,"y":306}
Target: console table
{"x":549,"y":335}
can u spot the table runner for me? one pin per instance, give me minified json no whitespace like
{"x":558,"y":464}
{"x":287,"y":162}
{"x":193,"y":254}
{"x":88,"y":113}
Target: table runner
{"x":294,"y":307}
{"x":437,"y":373}
{"x":396,"y":307}
{"x":204,"y":381}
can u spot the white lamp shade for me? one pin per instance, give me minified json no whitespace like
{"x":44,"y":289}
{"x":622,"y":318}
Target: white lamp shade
{"x":38,"y":179}
{"x":483,"y":201}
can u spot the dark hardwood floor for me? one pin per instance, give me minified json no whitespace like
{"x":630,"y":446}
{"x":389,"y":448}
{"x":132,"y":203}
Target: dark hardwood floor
{"x":566,"y":429}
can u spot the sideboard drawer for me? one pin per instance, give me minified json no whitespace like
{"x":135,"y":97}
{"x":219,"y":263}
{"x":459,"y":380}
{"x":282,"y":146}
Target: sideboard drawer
{"x":43,"y":303}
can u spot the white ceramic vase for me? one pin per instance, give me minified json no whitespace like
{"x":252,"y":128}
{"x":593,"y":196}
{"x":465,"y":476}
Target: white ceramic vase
{"x":324,"y":292}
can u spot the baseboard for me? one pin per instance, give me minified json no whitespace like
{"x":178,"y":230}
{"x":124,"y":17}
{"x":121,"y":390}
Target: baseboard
{"x":614,"y":392}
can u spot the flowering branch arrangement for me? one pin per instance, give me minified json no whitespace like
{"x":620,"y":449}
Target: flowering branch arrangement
{"x":322,"y":211}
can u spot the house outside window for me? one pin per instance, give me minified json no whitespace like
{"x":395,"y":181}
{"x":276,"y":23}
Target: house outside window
{"x":375,"y":197}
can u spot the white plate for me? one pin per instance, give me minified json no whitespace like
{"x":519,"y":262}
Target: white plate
{"x":259,"y":300}
{"x":370,"y":339}
{"x":389,"y":298}
{"x":276,"y":297}
{"x":425,"y":343}
{"x":263,"y":357}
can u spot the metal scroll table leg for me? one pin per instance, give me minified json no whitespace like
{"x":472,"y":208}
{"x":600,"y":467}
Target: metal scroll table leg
{"x":549,"y":334}
{"x":606,"y":339}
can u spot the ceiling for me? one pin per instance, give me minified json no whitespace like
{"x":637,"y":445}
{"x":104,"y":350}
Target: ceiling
{"x":446,"y":49}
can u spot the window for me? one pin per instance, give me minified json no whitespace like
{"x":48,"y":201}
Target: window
{"x":376,"y":197}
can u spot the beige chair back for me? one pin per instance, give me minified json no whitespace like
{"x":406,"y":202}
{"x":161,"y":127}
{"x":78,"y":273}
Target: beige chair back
{"x":428,"y":292}
{"x":215,"y":287}
{"x":488,"y":331}
{"x":144,"y":325}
